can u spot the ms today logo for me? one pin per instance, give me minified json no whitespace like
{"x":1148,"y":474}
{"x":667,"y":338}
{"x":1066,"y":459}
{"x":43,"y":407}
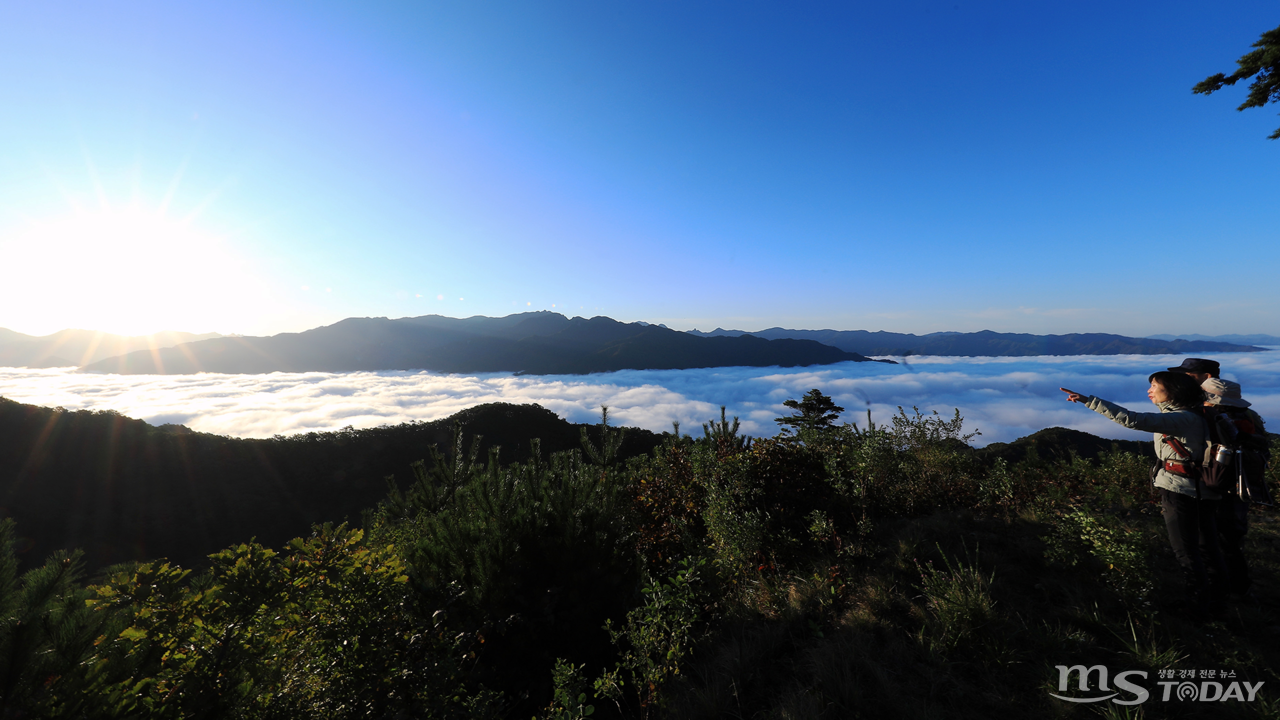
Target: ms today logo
{"x":1131,"y":687}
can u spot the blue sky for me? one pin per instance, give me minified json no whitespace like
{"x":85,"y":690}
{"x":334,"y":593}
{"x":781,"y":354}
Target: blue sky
{"x":914,"y":167}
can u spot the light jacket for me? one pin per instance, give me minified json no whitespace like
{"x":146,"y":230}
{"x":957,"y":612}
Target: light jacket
{"x":1187,"y":426}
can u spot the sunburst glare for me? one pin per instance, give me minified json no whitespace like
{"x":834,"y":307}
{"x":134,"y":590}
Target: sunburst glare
{"x":130,"y":270}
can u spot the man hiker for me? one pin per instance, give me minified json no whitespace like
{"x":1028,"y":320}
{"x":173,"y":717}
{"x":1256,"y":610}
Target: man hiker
{"x":1223,"y":396}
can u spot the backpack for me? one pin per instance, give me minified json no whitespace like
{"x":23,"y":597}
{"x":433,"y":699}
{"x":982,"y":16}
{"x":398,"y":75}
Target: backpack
{"x":1235,"y":456}
{"x":1232,"y":429}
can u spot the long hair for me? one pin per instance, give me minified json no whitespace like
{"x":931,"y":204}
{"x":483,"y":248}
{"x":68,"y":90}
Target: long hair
{"x":1183,"y":390}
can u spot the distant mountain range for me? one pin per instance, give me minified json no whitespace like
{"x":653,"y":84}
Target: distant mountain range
{"x":1241,"y":339}
{"x":988,"y":343}
{"x":72,"y":348}
{"x":545,"y":343}
{"x":536,"y":343}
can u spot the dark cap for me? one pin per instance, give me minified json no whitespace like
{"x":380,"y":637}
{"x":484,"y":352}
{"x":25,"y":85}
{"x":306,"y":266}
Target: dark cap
{"x":1197,"y":365}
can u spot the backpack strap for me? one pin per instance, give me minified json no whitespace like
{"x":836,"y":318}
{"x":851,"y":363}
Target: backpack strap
{"x":1188,"y":468}
{"x":1178,"y":447}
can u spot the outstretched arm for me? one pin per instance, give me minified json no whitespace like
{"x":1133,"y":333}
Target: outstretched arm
{"x":1171,"y":423}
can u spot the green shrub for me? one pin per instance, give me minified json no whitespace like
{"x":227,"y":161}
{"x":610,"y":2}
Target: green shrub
{"x":569,"y":699}
{"x":996,"y":490}
{"x":657,"y":639}
{"x":45,"y":630}
{"x":737,"y":527}
{"x":1123,"y":552}
{"x":919,"y":463}
{"x":534,"y":557}
{"x":760,"y":505}
{"x":670,"y":505}
{"x":1124,"y":478}
{"x":324,"y":630}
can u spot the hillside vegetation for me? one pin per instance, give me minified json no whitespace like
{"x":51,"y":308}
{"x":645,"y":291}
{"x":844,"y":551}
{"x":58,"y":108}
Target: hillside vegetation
{"x":125,"y":490}
{"x":827,"y":572}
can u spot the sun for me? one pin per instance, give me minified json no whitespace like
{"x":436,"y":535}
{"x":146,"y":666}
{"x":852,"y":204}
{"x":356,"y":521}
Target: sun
{"x":130,"y":270}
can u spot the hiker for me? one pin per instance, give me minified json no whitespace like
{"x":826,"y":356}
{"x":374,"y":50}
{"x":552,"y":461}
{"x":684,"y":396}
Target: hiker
{"x":1223,"y":396}
{"x":1198,"y":368}
{"x":1189,"y":508}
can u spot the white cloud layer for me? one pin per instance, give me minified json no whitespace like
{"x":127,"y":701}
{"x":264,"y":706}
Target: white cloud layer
{"x":1004,"y":398}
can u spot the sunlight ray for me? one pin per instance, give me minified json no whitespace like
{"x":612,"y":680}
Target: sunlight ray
{"x":205,"y":203}
{"x":99,"y":190}
{"x":155,"y":358}
{"x":53,"y":349}
{"x":191,"y":357}
{"x":33,"y":456}
{"x":135,"y":183}
{"x":91,"y":348}
{"x":73,"y":203}
{"x":172,"y":190}
{"x":258,"y":351}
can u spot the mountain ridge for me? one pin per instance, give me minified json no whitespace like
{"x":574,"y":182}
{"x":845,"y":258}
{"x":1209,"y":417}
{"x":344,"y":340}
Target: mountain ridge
{"x":535,"y":343}
{"x":987,"y":343}
{"x":1254,"y":339}
{"x":545,"y":342}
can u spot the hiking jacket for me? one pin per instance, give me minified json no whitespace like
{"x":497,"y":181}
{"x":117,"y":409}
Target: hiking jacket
{"x":1186,"y":425}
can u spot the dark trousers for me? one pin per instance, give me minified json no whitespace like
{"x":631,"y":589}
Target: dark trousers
{"x":1193,"y":533}
{"x":1233,"y":523}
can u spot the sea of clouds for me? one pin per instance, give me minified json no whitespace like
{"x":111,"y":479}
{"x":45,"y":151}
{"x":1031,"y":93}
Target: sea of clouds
{"x":1004,"y":398}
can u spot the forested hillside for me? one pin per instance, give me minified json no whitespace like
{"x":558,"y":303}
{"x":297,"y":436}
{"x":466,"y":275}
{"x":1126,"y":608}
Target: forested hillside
{"x":124,"y":490}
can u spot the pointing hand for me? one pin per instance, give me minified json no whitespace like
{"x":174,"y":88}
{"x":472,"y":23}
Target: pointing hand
{"x":1074,"y":396}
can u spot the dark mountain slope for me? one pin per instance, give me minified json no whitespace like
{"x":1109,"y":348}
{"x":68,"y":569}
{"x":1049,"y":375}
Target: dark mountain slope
{"x":124,"y":490}
{"x":536,"y":343}
{"x":1059,"y":443}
